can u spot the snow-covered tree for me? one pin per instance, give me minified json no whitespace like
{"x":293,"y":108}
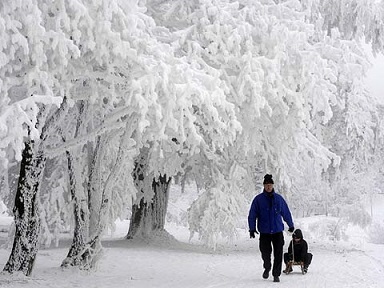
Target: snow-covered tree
{"x":286,"y":76}
{"x":137,"y":93}
{"x":57,"y":49}
{"x":355,"y":20}
{"x":124,"y":95}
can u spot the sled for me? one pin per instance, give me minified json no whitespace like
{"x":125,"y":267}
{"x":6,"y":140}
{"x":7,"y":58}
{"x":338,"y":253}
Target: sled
{"x":290,"y":264}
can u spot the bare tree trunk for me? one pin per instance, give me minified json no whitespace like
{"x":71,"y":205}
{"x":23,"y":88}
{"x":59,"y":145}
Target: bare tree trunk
{"x":160,"y":202}
{"x":75,"y":255}
{"x":26,"y":212}
{"x":86,"y":248}
{"x":150,"y":217}
{"x":80,"y":233}
{"x":94,"y":184}
{"x":93,"y":248}
{"x":26,"y":209}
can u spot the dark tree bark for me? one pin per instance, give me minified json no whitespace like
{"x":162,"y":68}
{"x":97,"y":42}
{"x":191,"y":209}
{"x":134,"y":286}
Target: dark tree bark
{"x":150,"y":217}
{"x":159,"y":203}
{"x":26,"y":212}
{"x":26,"y":208}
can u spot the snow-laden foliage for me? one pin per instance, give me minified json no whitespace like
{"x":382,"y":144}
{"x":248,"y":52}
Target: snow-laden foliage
{"x":129,"y":80}
{"x":215,"y":213}
{"x":288,"y":80}
{"x":354,"y":19}
{"x":28,"y":80}
{"x":69,"y":48}
{"x":264,"y":55}
{"x":217,"y":90}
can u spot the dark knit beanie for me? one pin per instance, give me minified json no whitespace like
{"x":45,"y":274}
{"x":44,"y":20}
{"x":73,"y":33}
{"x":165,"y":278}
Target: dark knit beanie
{"x":268,"y":179}
{"x":297,"y":234}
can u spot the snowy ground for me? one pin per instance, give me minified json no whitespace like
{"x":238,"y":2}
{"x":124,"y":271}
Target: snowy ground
{"x":177,"y":263}
{"x":171,"y":263}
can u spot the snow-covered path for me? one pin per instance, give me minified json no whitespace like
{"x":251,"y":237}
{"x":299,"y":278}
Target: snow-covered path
{"x":171,"y":264}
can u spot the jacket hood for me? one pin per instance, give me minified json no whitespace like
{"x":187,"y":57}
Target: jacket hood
{"x":297,"y":234}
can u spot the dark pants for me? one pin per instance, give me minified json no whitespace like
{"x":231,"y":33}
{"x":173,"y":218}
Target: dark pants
{"x":266,"y":242}
{"x":307,"y":259}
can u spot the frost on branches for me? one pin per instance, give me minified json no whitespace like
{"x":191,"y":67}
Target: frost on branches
{"x":280,"y":67}
{"x":220,"y":91}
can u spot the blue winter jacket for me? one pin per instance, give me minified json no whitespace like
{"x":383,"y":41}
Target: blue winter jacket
{"x":269,"y":209}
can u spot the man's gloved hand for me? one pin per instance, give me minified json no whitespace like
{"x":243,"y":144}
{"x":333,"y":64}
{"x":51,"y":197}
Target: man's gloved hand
{"x":252,"y":233}
{"x":291,"y":229}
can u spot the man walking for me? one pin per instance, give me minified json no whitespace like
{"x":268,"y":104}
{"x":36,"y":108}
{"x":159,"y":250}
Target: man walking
{"x":269,"y":209}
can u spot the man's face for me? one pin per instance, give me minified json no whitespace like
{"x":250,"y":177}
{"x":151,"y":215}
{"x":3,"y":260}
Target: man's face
{"x":268,"y":187}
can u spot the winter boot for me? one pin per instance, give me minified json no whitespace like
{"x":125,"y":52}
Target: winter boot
{"x":266,"y":274}
{"x":288,"y":268}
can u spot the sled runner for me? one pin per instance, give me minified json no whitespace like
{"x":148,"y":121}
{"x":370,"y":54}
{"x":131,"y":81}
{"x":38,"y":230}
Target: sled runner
{"x":290,"y":265}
